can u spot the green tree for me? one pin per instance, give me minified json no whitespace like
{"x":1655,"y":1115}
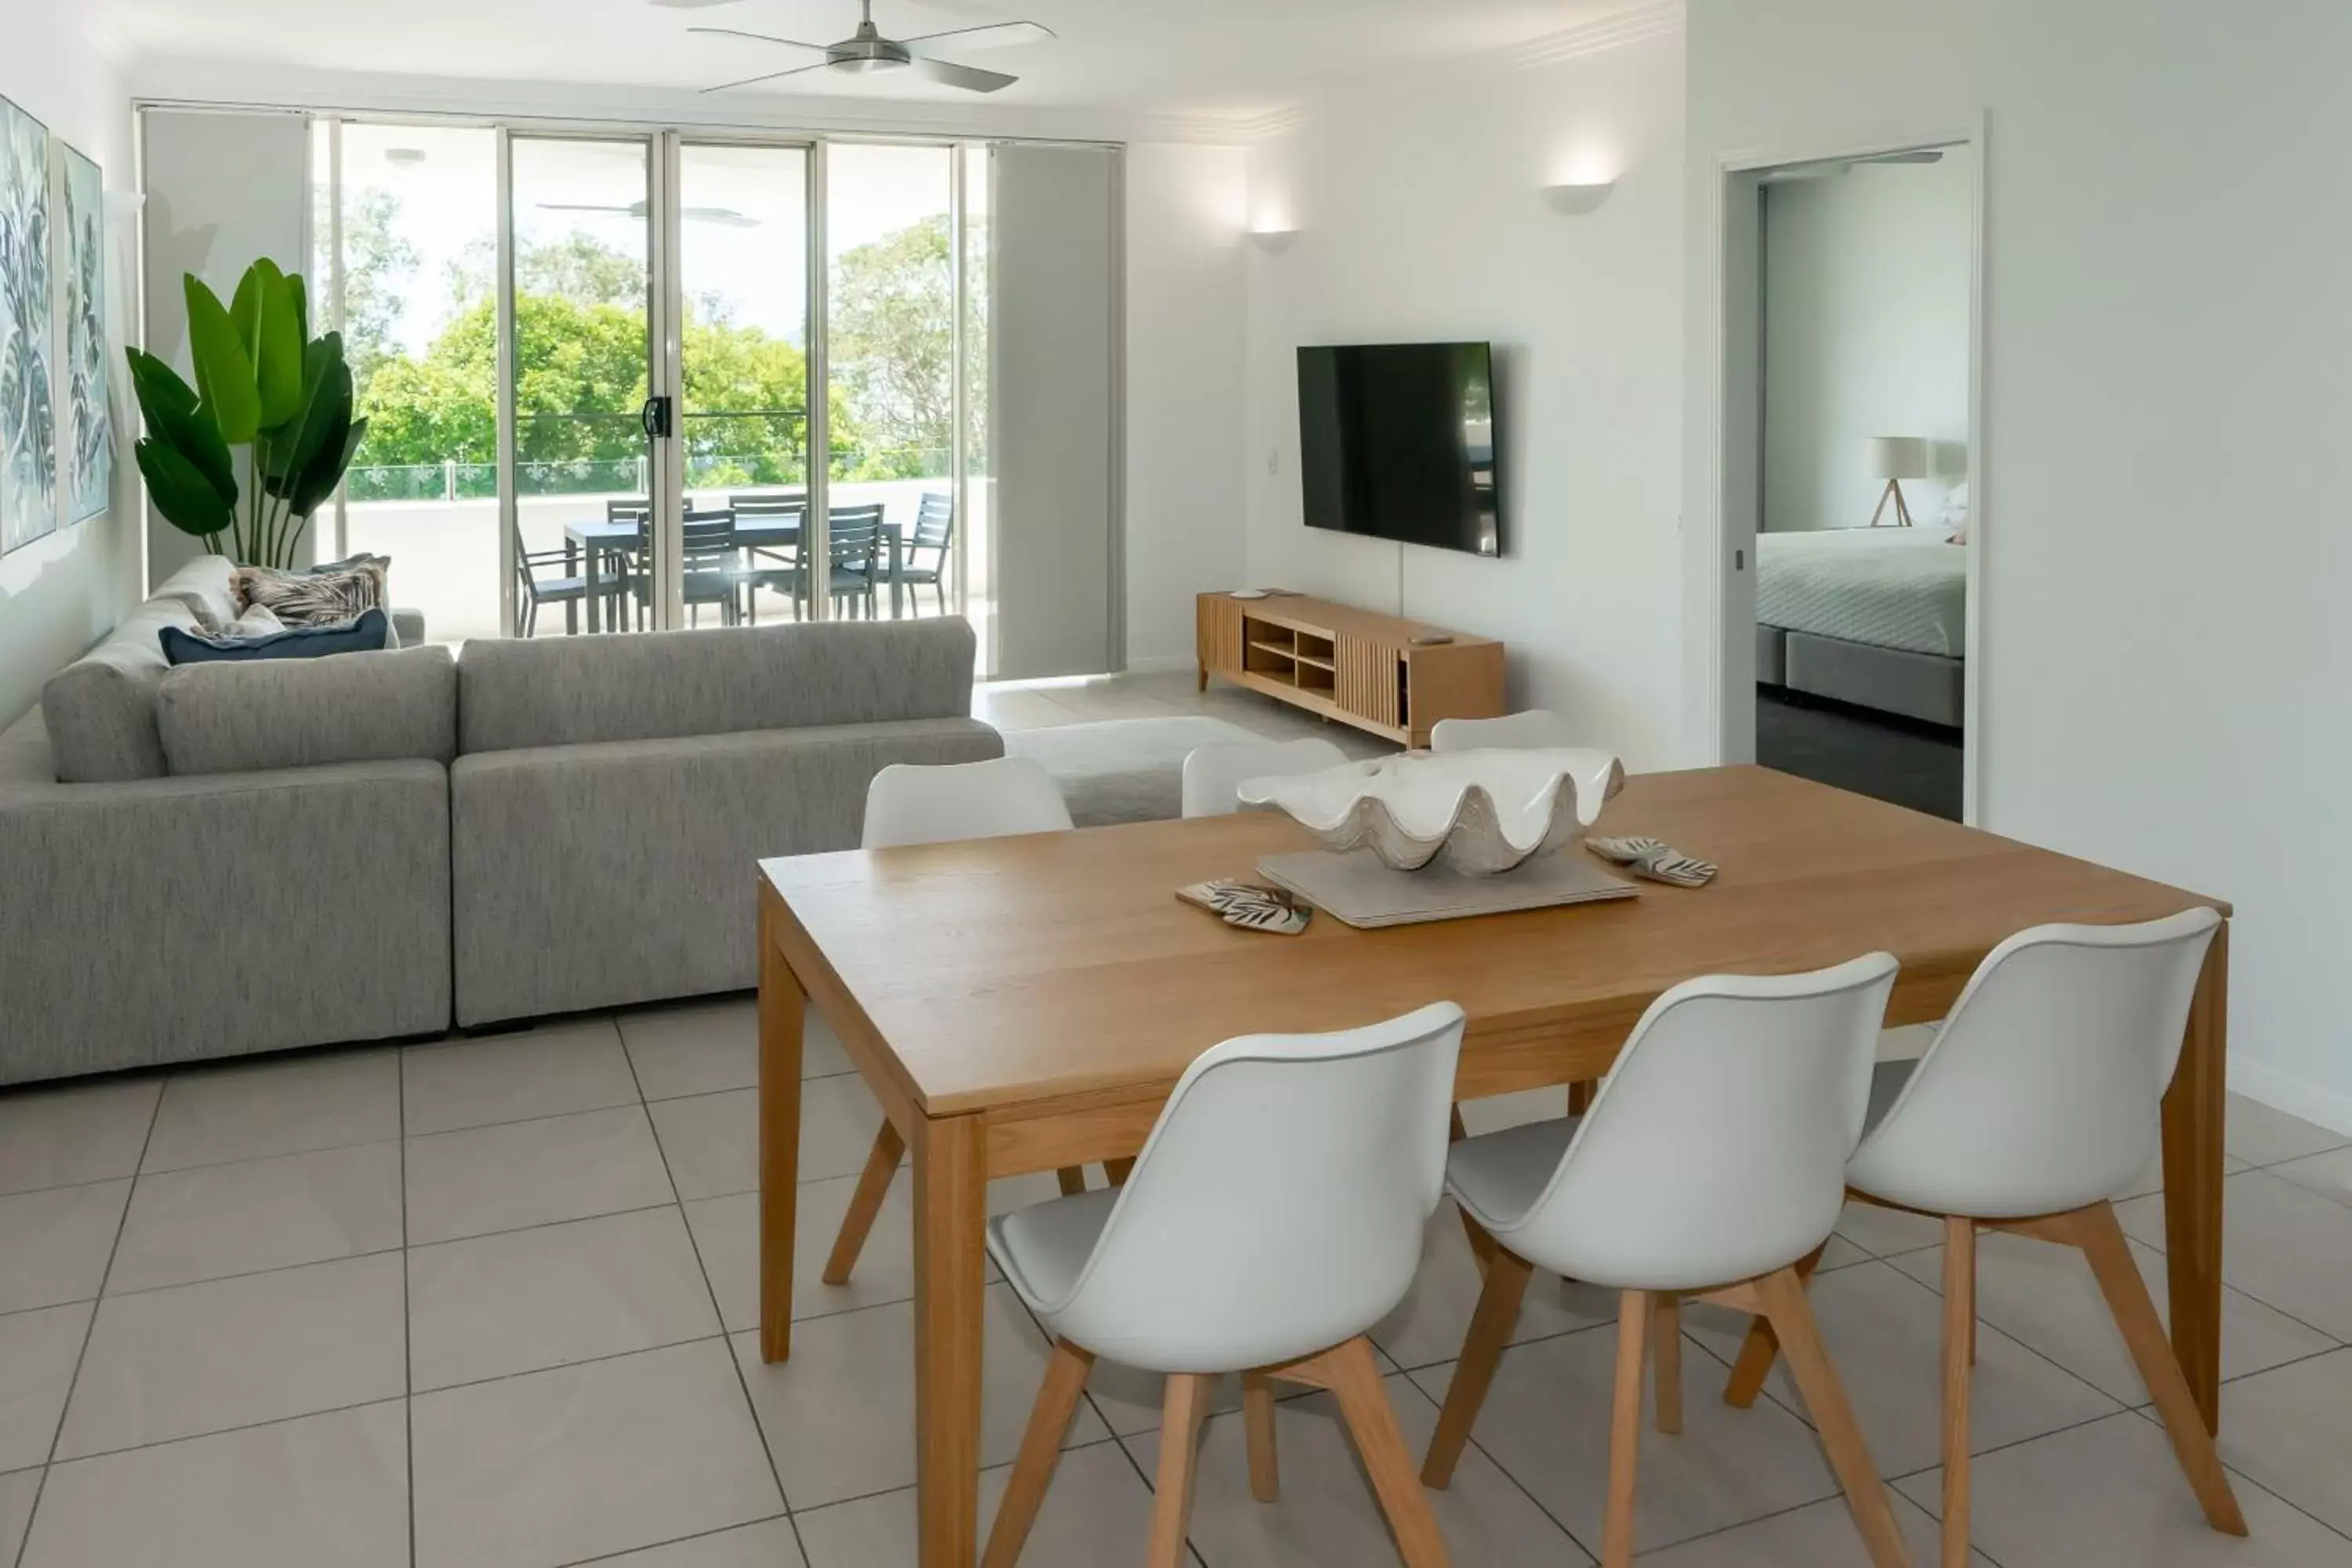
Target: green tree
{"x":378,"y":262}
{"x":893,"y":354}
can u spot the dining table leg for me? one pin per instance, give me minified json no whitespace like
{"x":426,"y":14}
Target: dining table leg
{"x":2194,"y":1110}
{"x":783,"y":1008}
{"x":951,"y":1215}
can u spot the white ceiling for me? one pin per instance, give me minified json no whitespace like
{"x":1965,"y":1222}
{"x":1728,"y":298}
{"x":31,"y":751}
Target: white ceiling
{"x":1225,"y":58}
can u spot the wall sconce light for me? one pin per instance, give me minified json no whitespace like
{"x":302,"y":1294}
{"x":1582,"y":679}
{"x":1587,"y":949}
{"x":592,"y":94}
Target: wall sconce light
{"x":1273,"y":241}
{"x":1578,"y":197}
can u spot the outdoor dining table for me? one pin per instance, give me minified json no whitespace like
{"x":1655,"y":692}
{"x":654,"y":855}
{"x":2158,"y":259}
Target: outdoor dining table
{"x":598,"y":539}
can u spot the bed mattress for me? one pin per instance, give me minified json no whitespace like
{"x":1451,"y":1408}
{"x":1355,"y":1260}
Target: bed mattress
{"x":1888,"y":587}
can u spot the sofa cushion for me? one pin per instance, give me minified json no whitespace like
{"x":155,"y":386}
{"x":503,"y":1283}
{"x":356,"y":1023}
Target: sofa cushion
{"x":203,"y":584}
{"x":100,"y":709}
{"x":258,"y":635}
{"x":563,"y":692}
{"x":336,"y":592}
{"x":246,"y":717}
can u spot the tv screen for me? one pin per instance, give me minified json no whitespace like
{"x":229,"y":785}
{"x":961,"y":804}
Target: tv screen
{"x":1397,"y":441}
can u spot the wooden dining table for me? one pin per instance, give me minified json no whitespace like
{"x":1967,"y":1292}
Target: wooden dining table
{"x":1020,"y":1004}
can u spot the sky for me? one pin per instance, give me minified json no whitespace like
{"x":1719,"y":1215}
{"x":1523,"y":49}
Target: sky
{"x":748,"y":246}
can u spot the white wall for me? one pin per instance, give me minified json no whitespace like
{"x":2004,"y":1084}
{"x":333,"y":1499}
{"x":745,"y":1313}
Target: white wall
{"x":2165,"y":645}
{"x":1866,"y":298}
{"x":1186,"y":210}
{"x":60,"y":594}
{"x":1420,"y":216}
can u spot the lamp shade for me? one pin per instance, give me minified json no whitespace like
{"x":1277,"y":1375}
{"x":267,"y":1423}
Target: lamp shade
{"x":1898,"y":457}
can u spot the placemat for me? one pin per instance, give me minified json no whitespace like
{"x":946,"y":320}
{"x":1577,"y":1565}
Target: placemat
{"x":1357,"y":889}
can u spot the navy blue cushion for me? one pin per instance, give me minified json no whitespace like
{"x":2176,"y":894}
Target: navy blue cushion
{"x":368,"y":634}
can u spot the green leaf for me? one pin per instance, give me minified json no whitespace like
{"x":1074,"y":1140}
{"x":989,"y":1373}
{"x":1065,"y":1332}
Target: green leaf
{"x":327,"y":394}
{"x":319,"y":479}
{"x":224,"y":378}
{"x":275,"y":345}
{"x":301,"y":306}
{"x":182,"y":493}
{"x":177,"y":420}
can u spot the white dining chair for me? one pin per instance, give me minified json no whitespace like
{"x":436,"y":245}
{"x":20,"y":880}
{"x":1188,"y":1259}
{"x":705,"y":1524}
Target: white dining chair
{"x":908,"y":804}
{"x":2037,"y":1102}
{"x":1190,"y":1270}
{"x":1213,"y":772}
{"x":1538,"y":727}
{"x":1712,"y":1161}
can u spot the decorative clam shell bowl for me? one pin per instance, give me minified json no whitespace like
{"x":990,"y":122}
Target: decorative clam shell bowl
{"x":1479,"y":812}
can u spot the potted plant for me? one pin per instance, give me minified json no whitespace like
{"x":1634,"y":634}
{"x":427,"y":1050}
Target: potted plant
{"x":264,"y":385}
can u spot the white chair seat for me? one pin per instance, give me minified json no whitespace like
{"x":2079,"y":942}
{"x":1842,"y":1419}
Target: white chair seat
{"x":1044,"y":1249}
{"x":1499,"y":1176}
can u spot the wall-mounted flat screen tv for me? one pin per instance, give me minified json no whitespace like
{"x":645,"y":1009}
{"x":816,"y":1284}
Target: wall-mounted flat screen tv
{"x":1399,"y":441}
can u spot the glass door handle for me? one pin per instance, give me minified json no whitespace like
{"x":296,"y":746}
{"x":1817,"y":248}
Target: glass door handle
{"x":656,"y":417}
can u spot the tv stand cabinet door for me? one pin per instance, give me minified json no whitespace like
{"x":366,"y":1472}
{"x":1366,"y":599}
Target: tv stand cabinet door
{"x":1369,"y":681}
{"x":1219,"y":634}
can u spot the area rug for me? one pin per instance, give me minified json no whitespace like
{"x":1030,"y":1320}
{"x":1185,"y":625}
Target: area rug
{"x":1122,"y":770}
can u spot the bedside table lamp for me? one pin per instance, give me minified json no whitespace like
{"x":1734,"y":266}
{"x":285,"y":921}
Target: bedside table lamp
{"x":1895,"y":458}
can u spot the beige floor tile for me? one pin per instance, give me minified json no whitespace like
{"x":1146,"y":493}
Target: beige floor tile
{"x":1819,"y":1535}
{"x":1013,"y":707}
{"x":523,"y":1173}
{"x":2328,"y":1174}
{"x":1099,"y":1512}
{"x":2045,"y":1298}
{"x":37,"y":1353}
{"x":585,"y":1461}
{"x":1546,"y":1422}
{"x":698,"y":1047}
{"x":1884,"y":1332}
{"x":2151,"y":1176}
{"x":1327,"y":1516}
{"x":2285,"y":1245}
{"x":16,"y":1494}
{"x":56,"y":1243}
{"x":491,"y":1306}
{"x":769,"y":1544}
{"x":2108,"y":1495}
{"x":839,"y":1415}
{"x":552,"y":1071}
{"x":249,"y":1111}
{"x":82,"y":1132}
{"x":2291,"y":1431}
{"x":231,"y":1352}
{"x":712,"y":1141}
{"x":328,"y":1489}
{"x":1434,"y":1317}
{"x":2262,"y":1136}
{"x":1887,"y":1232}
{"x":215,"y":1220}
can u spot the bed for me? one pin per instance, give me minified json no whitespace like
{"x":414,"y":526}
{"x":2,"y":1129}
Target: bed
{"x":1873,"y":617}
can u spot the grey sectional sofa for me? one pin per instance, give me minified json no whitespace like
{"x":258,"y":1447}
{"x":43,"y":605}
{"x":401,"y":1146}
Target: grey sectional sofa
{"x":227,"y":859}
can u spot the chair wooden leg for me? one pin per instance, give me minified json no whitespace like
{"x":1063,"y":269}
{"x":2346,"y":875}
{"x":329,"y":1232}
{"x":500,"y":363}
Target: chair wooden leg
{"x":872,"y":1186}
{"x":2102,"y":1241}
{"x":1633,"y":1311}
{"x":1482,"y":1351}
{"x":1757,"y":1352}
{"x":1073,"y":1179}
{"x":1784,"y":1300}
{"x":1180,"y":1436}
{"x":1580,"y":1095}
{"x":1668,"y":1355}
{"x":1257,"y":1421}
{"x":1960,"y":1360}
{"x":1041,"y":1450}
{"x":1355,"y":1379}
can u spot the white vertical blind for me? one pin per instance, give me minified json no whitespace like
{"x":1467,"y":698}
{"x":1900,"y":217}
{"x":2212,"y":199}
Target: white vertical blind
{"x":223,"y":191}
{"x":1054,"y":402}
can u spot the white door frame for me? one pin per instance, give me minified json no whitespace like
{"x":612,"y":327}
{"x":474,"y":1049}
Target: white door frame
{"x":1725,"y":479}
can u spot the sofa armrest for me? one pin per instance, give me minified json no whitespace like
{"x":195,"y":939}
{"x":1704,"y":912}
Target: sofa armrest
{"x":165,"y":920}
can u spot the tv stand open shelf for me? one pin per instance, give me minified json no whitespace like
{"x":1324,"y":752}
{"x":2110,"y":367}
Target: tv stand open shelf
{"x":1353,"y":666}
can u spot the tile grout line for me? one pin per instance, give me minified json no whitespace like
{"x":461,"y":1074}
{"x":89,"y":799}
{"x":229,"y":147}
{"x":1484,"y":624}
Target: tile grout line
{"x":88,"y":1332}
{"x":683,"y":1539}
{"x":408,"y":1312}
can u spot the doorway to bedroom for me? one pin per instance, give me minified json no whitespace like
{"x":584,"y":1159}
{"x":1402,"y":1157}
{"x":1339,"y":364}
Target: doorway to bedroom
{"x":1864,"y":349}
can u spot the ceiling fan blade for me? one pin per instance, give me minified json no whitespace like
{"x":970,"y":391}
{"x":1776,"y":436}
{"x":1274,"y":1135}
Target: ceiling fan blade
{"x":759,"y":38}
{"x":771,"y":76}
{"x":968,"y":76}
{"x":726,"y":217}
{"x":994,"y":35}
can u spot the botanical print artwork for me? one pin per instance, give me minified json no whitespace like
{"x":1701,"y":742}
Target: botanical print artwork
{"x":27,"y":416}
{"x":86,"y":435}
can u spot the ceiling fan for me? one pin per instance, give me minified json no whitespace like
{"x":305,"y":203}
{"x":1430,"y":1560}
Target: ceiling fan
{"x":868,"y":50}
{"x":727,"y":217}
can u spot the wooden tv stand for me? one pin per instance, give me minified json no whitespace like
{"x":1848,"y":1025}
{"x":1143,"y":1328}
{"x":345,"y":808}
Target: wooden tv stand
{"x":1353,"y":666}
